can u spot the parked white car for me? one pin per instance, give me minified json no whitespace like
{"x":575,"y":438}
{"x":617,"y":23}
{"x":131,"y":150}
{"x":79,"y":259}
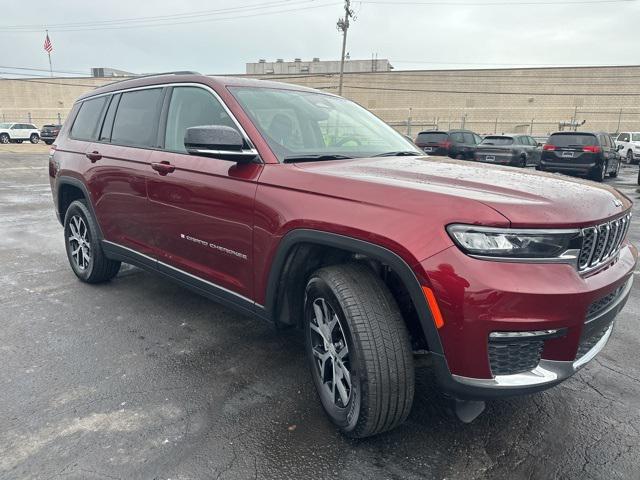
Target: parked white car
{"x":630,"y":142}
{"x":18,"y":133}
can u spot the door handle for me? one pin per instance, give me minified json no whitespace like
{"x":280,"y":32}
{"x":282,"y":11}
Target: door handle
{"x":93,"y":156}
{"x":163,"y":167}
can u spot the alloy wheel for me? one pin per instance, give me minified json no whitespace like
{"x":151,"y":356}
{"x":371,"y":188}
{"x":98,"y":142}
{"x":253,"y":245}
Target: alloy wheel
{"x":330,"y":353}
{"x":79,"y":242}
{"x":4,"y":138}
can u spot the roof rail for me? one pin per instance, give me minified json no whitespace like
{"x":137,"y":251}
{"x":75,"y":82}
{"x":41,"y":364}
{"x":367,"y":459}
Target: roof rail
{"x":135,"y":77}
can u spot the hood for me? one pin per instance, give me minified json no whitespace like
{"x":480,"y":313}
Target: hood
{"x":526,"y":198}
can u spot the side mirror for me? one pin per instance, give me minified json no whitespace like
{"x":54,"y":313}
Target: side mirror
{"x":619,"y":147}
{"x":217,"y":141}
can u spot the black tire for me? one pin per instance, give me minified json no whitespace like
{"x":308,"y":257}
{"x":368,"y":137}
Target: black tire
{"x":18,"y":141}
{"x":614,"y":174}
{"x":49,"y":142}
{"x":600,"y":172}
{"x":4,"y":138}
{"x":34,"y":138}
{"x":378,"y":358}
{"x":629,"y":156}
{"x":522,"y":162}
{"x":91,"y":265}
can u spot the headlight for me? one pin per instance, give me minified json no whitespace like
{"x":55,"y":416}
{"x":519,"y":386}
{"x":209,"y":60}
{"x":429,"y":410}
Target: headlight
{"x":514,"y":243}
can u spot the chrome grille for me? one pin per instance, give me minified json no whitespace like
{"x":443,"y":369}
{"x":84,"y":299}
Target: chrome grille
{"x":602,"y":242}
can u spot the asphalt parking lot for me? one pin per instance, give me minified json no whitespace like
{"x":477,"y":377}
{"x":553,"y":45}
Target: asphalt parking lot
{"x":140,"y":378}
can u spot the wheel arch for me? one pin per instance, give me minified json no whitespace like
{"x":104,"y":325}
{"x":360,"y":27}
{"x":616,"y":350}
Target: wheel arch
{"x":303,"y":251}
{"x":71,"y":189}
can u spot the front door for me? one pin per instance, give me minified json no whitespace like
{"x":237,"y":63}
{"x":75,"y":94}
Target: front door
{"x":202,"y":207}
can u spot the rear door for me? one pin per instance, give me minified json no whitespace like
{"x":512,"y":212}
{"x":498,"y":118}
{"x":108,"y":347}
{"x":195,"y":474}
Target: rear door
{"x":120,"y":166}
{"x":202,"y":211}
{"x":17,"y":132}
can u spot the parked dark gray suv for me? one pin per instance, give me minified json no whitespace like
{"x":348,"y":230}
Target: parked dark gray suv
{"x":515,"y":150}
{"x":583,"y":153}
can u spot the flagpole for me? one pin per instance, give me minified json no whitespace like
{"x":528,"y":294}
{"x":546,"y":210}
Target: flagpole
{"x":49,"y":53}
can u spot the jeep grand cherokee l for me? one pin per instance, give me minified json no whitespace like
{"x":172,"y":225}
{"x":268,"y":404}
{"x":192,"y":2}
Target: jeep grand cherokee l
{"x":303,"y":208}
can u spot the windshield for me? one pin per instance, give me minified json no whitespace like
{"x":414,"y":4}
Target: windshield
{"x":497,"y":141}
{"x":432,"y":137}
{"x":298,"y":124}
{"x":572,"y":140}
{"x":5,"y":125}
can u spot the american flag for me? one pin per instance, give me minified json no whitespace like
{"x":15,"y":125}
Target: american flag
{"x":48,"y":46}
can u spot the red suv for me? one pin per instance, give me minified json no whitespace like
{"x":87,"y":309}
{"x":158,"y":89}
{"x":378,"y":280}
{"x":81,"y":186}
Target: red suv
{"x":303,"y":208}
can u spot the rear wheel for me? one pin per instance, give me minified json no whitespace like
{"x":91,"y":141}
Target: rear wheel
{"x":4,"y":138}
{"x":34,"y":138}
{"x":629,"y":157}
{"x":49,"y":142}
{"x":614,"y":174}
{"x":358,"y":350}
{"x":600,"y":172}
{"x":84,"y":250}
{"x":522,"y":162}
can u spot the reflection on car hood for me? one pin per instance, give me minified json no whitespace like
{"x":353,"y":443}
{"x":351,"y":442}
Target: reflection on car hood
{"x":525,"y":197}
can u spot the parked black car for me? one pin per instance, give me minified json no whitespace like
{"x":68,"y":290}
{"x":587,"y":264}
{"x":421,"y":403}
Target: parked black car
{"x":454,"y":143}
{"x":49,"y":133}
{"x":515,"y":150}
{"x":583,"y":153}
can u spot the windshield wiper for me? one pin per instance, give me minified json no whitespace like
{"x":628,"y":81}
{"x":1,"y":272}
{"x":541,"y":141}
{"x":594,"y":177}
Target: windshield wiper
{"x":314,"y":158}
{"x":405,"y":153}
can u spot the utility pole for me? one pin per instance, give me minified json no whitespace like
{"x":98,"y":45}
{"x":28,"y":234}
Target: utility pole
{"x":343,"y":26}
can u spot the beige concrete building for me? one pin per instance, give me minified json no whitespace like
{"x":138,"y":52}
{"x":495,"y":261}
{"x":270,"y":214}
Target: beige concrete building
{"x":515,"y":100}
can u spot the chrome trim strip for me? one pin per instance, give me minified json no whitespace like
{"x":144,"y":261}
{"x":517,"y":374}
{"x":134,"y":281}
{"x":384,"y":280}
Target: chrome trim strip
{"x":251,"y":151}
{"x":590,"y":355}
{"x":183,"y":272}
{"x":533,"y":231}
{"x":569,"y":257}
{"x":181,"y":84}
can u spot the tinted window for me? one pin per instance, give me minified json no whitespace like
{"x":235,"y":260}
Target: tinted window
{"x":432,"y":137}
{"x":477,"y":138}
{"x":137,"y":117}
{"x":107,"y":125}
{"x":624,"y":137}
{"x":190,"y":107}
{"x":572,"y":139}
{"x":495,"y":140}
{"x":468,"y":138}
{"x":636,"y":137}
{"x":86,"y":124}
{"x":457,"y":137}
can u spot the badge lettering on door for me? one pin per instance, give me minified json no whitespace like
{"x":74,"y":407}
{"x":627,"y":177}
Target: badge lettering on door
{"x":204,"y":243}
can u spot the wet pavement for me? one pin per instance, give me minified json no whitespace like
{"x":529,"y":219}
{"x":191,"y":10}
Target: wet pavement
{"x":140,"y":378}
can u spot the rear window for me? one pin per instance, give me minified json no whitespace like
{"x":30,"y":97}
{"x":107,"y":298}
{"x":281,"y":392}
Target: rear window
{"x":431,"y":137}
{"x":497,"y":141}
{"x":572,"y":139}
{"x":86,"y":123}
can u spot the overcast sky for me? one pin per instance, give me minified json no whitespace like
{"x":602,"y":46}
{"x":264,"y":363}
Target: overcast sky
{"x":411,"y":36}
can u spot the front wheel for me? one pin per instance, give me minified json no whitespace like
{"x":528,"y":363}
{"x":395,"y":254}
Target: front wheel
{"x":358,"y":350}
{"x":34,"y":138}
{"x":49,"y":142}
{"x":4,"y":138}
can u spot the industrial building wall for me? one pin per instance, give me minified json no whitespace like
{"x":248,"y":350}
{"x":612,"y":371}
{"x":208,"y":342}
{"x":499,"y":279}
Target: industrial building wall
{"x":487,"y":101}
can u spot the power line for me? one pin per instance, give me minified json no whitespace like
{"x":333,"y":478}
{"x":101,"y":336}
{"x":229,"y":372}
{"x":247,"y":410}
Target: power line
{"x":494,"y":4}
{"x":42,"y":70}
{"x":173,"y":22}
{"x":160,"y":17}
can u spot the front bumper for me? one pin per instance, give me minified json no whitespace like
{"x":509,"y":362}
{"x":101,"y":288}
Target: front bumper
{"x":479,"y":297}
